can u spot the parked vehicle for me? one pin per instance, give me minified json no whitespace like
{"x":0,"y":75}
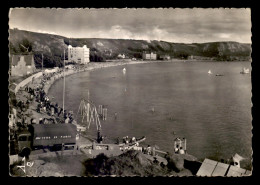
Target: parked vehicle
{"x":46,"y":135}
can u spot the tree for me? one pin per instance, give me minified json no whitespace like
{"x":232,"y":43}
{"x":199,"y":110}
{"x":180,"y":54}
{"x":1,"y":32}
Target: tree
{"x":12,"y":48}
{"x":97,"y":57}
{"x":182,"y":54}
{"x":25,"y":46}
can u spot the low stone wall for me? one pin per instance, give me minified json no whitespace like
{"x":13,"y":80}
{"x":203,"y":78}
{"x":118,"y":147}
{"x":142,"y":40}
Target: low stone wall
{"x":26,"y":81}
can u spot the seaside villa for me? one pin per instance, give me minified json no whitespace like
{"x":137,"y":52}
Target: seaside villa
{"x":79,"y":55}
{"x":21,"y":65}
{"x":149,"y":56}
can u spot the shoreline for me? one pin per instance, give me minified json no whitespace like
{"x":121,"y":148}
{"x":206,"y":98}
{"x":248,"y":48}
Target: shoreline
{"x":97,"y":65}
{"x":23,"y":95}
{"x":111,"y":63}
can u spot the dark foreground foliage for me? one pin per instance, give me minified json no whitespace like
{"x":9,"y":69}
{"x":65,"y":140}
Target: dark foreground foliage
{"x":134,"y":163}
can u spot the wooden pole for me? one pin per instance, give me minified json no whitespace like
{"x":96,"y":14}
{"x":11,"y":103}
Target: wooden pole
{"x":63,"y":81}
{"x":105,"y":113}
{"x":185,"y":145}
{"x":100,"y":109}
{"x":87,"y":109}
{"x":42,"y":62}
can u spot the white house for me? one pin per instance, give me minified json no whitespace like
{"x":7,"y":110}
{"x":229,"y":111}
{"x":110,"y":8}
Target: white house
{"x":121,"y":56}
{"x":79,"y":55}
{"x":149,"y":56}
{"x":21,"y":65}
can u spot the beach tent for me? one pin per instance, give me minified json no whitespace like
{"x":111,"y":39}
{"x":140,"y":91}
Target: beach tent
{"x":51,"y":70}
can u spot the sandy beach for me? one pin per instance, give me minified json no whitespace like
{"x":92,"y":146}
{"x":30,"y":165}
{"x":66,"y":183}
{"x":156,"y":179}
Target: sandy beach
{"x":23,"y":95}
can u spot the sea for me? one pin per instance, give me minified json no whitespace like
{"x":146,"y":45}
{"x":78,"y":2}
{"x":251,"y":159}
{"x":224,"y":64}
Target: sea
{"x":165,"y":100}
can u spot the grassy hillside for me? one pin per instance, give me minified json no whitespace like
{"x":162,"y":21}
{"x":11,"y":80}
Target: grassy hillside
{"x":53,"y":46}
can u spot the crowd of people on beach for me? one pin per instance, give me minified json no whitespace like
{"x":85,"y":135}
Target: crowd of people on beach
{"x":33,"y":97}
{"x":34,"y":93}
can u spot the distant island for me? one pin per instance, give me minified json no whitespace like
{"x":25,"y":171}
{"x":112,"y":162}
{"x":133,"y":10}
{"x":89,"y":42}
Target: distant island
{"x":101,"y":50}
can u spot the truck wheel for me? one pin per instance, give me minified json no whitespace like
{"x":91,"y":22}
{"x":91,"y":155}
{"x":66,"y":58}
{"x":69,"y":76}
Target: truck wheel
{"x":25,"y":152}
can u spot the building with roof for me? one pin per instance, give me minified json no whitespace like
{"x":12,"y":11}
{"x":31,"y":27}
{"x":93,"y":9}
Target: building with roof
{"x":79,"y":55}
{"x":149,"y":56}
{"x":21,"y":65}
{"x":164,"y":57}
{"x":121,"y":56}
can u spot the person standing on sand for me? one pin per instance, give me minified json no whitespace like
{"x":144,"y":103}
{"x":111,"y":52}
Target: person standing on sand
{"x":38,"y":108}
{"x":176,"y":150}
{"x":67,"y":120}
{"x":52,"y":111}
{"x":56,"y":108}
{"x":149,"y":150}
{"x":40,"y":121}
{"x":60,"y":111}
{"x":44,"y":109}
{"x":65,"y":114}
{"x":27,"y":104}
{"x":181,"y":151}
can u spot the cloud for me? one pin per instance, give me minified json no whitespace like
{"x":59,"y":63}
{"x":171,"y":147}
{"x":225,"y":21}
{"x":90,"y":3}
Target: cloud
{"x":48,"y":32}
{"x":224,"y":35}
{"x":173,"y":25}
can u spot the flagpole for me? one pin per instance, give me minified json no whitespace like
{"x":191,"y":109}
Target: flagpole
{"x":63,"y":81}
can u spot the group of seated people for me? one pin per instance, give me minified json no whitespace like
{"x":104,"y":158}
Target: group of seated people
{"x":179,"y":150}
{"x":126,"y":140}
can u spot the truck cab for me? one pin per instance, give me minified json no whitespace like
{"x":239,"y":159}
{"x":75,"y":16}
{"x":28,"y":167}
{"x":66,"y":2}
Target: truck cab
{"x":24,"y":143}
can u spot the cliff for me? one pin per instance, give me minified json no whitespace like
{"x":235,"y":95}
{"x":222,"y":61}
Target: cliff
{"x":53,"y":46}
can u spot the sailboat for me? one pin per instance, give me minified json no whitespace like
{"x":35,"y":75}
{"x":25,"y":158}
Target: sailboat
{"x":209,"y":72}
{"x":245,"y":71}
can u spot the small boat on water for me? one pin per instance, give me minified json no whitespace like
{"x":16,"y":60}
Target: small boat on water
{"x":139,"y":140}
{"x":244,"y":71}
{"x":124,"y":70}
{"x":219,"y":75}
{"x":209,"y":72}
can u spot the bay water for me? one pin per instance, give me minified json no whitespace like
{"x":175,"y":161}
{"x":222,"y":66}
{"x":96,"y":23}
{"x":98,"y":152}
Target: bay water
{"x":166,"y":100}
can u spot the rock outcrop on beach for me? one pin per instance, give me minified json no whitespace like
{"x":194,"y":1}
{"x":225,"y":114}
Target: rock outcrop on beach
{"x":53,"y":46}
{"x":134,"y":163}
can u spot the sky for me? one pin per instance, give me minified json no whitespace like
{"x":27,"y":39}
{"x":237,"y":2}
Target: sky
{"x":171,"y":25}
